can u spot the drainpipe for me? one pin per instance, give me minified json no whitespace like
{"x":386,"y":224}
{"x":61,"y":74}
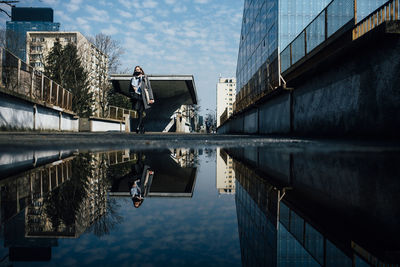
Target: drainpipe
{"x":34,"y":116}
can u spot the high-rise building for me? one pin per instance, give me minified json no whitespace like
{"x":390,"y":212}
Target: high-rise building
{"x":226,"y":93}
{"x":39,"y":45}
{"x":24,"y":19}
{"x":225,"y":178}
{"x":268,"y":26}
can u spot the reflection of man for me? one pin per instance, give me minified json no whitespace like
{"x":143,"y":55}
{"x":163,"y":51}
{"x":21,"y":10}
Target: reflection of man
{"x":142,"y":177}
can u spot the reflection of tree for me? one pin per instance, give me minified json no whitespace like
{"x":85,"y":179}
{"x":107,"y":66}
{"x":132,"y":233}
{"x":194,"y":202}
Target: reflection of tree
{"x":108,"y":221}
{"x":81,"y":203}
{"x":103,"y":224}
{"x":63,"y":204}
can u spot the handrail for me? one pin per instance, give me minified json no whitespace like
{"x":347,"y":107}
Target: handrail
{"x":117,"y":113}
{"x":386,"y":12}
{"x":290,"y":55}
{"x":20,"y":79}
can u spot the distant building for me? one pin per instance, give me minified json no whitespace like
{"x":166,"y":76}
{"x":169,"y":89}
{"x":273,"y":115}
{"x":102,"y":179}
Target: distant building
{"x":226,"y":94}
{"x":39,"y":44}
{"x":23,"y":20}
{"x":225,"y":178}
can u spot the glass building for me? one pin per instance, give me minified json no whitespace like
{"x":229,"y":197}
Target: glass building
{"x":272,"y":233}
{"x":269,"y":26}
{"x":25,"y":19}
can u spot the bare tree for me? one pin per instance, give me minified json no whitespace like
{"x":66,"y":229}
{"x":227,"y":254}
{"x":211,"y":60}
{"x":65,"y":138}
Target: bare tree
{"x":7,"y":3}
{"x":112,"y":49}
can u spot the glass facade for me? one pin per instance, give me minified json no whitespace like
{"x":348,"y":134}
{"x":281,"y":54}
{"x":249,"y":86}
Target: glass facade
{"x":269,"y":26}
{"x":17,"y":28}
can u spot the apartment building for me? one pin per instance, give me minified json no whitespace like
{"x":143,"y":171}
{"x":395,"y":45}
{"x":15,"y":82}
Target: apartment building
{"x":39,"y":45}
{"x":226,"y":95}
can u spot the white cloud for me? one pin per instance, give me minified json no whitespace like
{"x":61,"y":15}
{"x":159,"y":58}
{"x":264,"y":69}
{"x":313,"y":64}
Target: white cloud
{"x":73,"y":5}
{"x":126,"y":3}
{"x":63,"y":16}
{"x":135,"y":25}
{"x":201,"y":1}
{"x":148,"y":19}
{"x":84,"y":24}
{"x":149,"y":4}
{"x":117,"y":21}
{"x":124,"y":14}
{"x":97,"y":14}
{"x":170,"y":2}
{"x":179,"y":9}
{"x":111,"y":30}
{"x":50,"y":2}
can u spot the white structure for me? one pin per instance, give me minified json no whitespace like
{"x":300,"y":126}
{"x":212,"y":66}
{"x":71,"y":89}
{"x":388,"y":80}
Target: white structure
{"x":20,"y":114}
{"x":39,"y":44}
{"x":226,"y":94}
{"x":225,"y":176}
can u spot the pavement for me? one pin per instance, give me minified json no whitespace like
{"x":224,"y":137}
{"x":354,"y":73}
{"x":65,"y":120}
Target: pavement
{"x":117,"y":140}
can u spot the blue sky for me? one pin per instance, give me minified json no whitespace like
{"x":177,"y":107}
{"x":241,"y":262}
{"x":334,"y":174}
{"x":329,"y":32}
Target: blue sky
{"x":199,"y":37}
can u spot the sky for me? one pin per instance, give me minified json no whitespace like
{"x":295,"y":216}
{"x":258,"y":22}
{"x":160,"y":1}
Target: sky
{"x":197,"y":37}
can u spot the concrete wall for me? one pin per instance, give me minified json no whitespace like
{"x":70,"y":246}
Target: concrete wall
{"x":357,"y":95}
{"x":275,"y":115}
{"x":251,"y":121}
{"x":19,"y":114}
{"x":98,"y":125}
{"x":15,"y":113}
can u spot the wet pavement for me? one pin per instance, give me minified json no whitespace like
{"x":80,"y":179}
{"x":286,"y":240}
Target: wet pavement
{"x":201,"y":200}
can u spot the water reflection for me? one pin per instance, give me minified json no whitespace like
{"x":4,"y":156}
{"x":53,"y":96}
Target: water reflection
{"x":63,"y":194}
{"x":317,"y":208}
{"x":253,"y":206}
{"x":162,"y":173}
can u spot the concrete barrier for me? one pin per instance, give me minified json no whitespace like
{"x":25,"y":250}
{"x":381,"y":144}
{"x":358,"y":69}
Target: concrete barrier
{"x":94,"y":124}
{"x":19,"y":114}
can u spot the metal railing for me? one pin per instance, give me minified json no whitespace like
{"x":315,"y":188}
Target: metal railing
{"x":19,"y":79}
{"x":117,"y":113}
{"x":387,"y":12}
{"x":331,"y":19}
{"x":264,"y":81}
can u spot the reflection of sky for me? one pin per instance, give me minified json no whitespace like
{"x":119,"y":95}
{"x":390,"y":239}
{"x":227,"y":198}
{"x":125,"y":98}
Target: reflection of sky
{"x":178,"y":231}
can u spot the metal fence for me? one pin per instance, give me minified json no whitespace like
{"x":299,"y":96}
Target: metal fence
{"x":19,"y":79}
{"x":118,"y":113}
{"x":264,"y":81}
{"x":388,"y":12}
{"x":331,"y":19}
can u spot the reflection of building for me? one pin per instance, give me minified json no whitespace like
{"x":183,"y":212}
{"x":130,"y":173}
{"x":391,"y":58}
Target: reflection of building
{"x":305,"y":225}
{"x":24,"y":19}
{"x":41,"y":223}
{"x":226,"y":94}
{"x":185,"y":157}
{"x":174,"y":173}
{"x":225,"y":178}
{"x":39,"y":44}
{"x":21,"y":207}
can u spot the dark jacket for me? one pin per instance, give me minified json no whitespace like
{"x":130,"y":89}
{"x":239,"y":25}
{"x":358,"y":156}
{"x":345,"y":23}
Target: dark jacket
{"x":146,"y":86}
